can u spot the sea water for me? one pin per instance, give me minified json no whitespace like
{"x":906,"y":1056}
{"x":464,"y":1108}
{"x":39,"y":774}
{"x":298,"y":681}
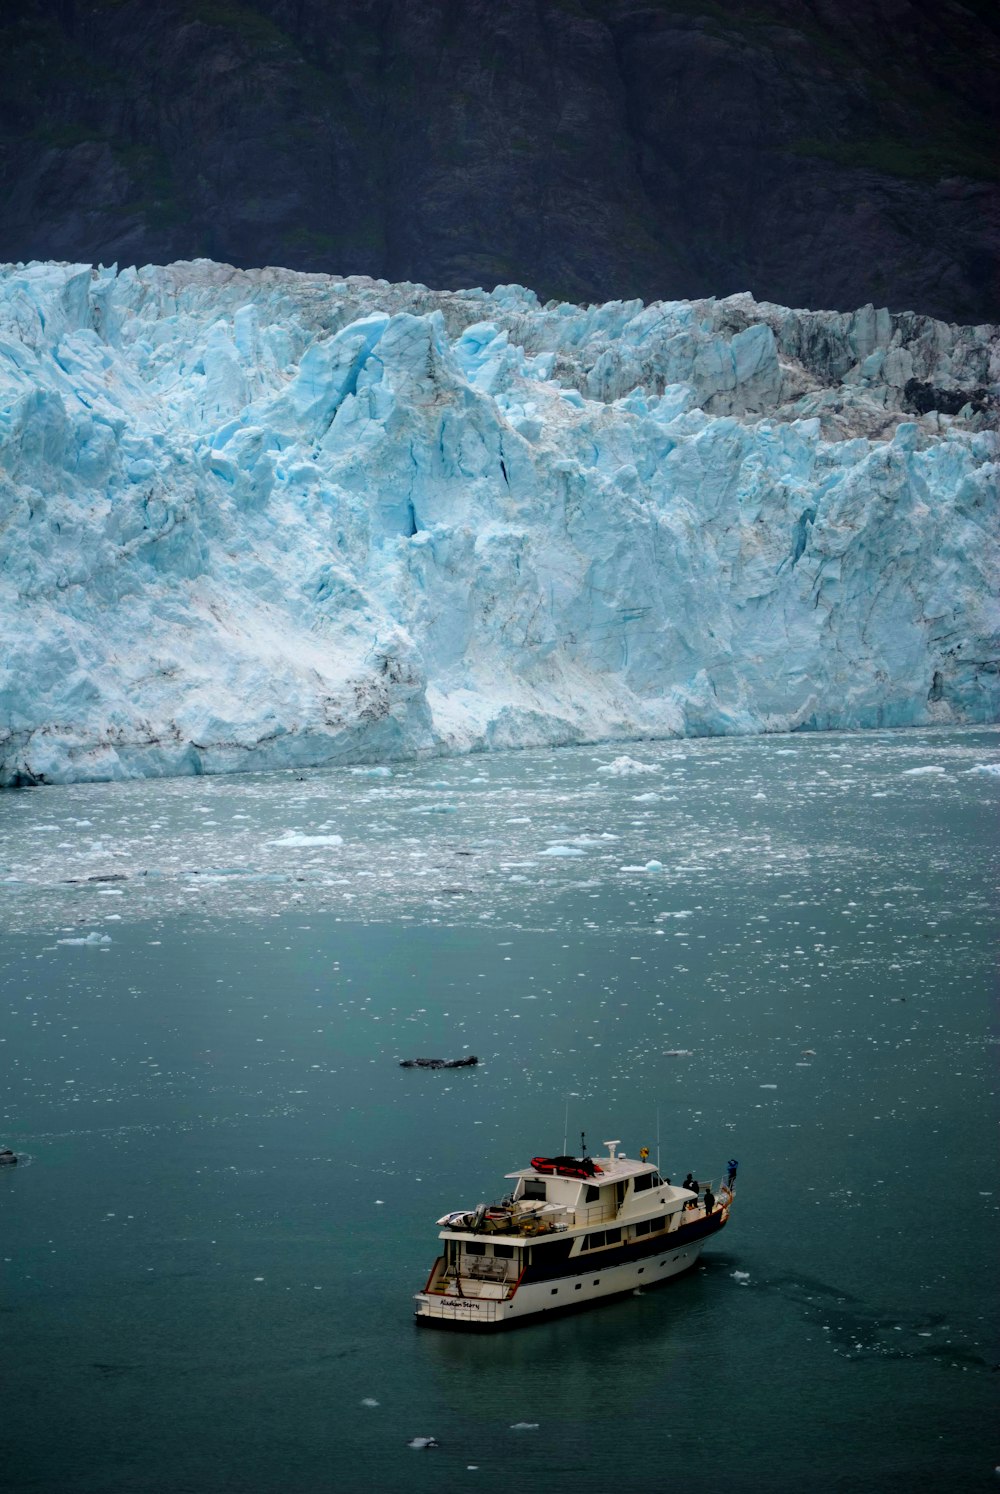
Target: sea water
{"x":777,"y":949}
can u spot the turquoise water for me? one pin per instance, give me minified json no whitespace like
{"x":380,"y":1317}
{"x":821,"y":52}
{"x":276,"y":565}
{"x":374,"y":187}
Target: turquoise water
{"x":781,"y":946}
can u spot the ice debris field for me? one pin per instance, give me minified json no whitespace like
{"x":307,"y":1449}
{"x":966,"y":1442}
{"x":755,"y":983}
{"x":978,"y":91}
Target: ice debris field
{"x":509,"y":837}
{"x":261,"y":519}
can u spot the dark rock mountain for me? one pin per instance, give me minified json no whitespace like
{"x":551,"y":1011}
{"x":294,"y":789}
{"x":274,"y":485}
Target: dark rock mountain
{"x":824,"y":153}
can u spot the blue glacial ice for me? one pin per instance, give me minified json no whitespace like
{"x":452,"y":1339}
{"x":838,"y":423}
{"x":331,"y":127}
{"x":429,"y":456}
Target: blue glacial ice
{"x":263,"y":519}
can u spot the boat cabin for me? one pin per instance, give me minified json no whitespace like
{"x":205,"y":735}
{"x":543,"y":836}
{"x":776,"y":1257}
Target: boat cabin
{"x":575,"y":1193}
{"x":563,"y":1194}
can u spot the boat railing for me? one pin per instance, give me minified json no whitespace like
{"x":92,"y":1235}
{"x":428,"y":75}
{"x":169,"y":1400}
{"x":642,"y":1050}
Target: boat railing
{"x":596,"y":1213}
{"x":482,"y":1268}
{"x":721,"y":1190}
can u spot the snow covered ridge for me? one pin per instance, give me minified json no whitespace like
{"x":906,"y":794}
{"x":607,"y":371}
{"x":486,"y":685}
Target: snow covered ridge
{"x":261,"y":519}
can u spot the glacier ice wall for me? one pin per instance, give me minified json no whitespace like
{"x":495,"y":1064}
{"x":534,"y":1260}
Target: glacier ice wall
{"x":261,"y":519}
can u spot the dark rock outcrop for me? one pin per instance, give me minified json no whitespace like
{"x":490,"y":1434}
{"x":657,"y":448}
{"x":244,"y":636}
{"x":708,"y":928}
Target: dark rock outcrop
{"x":814,"y":154}
{"x":438,"y":1063}
{"x":920,"y":398}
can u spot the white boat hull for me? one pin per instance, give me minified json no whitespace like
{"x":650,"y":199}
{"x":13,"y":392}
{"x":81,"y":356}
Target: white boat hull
{"x":486,"y":1305}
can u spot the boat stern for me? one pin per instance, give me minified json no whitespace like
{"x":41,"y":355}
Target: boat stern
{"x":438,"y":1310}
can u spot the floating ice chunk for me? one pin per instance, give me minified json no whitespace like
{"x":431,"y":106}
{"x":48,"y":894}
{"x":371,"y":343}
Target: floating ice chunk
{"x":561,"y":850}
{"x":524,"y":1426}
{"x":649,"y":798}
{"x":769,"y":1086}
{"x":653,"y":866}
{"x":91,"y":939}
{"x":423,"y":1442}
{"x":369,"y":1401}
{"x":377,"y":772}
{"x":623,"y":766}
{"x":291,"y":840}
{"x":740,"y":1275}
{"x":678,"y":1052}
{"x":918,"y":772}
{"x":992,"y":768}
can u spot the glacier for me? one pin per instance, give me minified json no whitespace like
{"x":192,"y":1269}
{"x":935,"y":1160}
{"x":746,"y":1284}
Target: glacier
{"x":262,"y":519}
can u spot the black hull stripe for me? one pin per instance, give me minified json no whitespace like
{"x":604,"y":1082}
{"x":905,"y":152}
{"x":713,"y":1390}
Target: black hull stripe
{"x":552,"y":1265}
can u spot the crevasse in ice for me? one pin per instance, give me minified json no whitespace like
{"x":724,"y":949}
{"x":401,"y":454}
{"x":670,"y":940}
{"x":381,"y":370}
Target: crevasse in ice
{"x":261,"y":519}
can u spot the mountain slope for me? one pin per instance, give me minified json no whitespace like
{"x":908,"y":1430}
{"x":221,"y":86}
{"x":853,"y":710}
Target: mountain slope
{"x":814,"y":154}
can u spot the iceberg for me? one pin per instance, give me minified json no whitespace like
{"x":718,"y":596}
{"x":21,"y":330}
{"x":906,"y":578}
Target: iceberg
{"x":260,"y":520}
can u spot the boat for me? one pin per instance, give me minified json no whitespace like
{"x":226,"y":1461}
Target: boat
{"x":572,"y":1231}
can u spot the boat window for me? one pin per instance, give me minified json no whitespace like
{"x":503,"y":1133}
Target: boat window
{"x":505,"y":1250}
{"x":660,"y":1223}
{"x":612,"y":1236}
{"x":642,"y":1182}
{"x":533,"y":1188}
{"x":643,"y":1227}
{"x":591,"y":1194}
{"x":657,"y":1180}
{"x":591,"y":1242}
{"x":475,"y":1247}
